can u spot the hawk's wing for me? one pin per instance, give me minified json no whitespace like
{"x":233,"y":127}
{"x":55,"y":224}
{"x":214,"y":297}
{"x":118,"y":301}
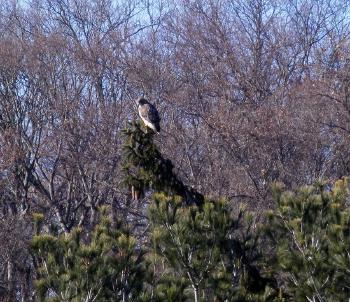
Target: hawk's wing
{"x":149,"y":113}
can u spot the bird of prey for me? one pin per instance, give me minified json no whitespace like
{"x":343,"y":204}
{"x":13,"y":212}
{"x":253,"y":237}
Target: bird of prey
{"x":149,"y":114}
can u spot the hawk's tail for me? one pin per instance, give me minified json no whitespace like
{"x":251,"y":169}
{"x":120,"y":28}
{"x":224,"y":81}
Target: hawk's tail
{"x":157,"y":127}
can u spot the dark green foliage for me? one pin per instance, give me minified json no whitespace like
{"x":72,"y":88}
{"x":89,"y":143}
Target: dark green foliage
{"x":187,"y":238}
{"x":310,"y":229}
{"x":106,"y":268}
{"x":198,"y":250}
{"x":172,"y":289}
{"x":216,"y":253}
{"x":145,"y":167}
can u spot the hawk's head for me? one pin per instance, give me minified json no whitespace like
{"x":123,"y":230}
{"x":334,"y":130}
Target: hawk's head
{"x":141,"y":101}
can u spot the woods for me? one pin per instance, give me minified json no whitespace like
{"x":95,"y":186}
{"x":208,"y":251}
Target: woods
{"x":250,"y":93}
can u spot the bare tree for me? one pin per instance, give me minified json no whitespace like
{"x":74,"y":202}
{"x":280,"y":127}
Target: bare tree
{"x":249,"y":92}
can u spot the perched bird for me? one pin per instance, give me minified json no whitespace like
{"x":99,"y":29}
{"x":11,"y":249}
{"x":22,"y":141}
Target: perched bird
{"x":149,"y":114}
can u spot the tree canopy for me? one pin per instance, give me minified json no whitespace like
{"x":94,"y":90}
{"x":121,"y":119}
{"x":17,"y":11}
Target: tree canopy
{"x":250,"y":93}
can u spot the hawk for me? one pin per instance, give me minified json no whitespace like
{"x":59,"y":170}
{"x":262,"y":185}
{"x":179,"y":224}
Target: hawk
{"x":149,"y":114}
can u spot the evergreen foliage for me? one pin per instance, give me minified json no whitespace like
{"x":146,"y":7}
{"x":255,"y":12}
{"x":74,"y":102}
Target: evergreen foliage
{"x":310,"y":229}
{"x":216,"y":253}
{"x":106,"y":268}
{"x":204,"y":252}
{"x":145,"y":167}
{"x":198,"y":250}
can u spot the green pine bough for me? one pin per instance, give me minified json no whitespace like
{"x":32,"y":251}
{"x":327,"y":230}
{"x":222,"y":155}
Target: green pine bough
{"x":310,"y":230}
{"x":106,"y":267}
{"x":197,"y":248}
{"x":145,"y":168}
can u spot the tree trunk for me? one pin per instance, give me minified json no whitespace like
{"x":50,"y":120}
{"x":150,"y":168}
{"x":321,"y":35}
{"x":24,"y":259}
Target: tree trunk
{"x":195,"y":291}
{"x":10,"y":281}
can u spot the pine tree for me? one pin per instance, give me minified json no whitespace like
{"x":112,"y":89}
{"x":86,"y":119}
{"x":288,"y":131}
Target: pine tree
{"x":199,"y":250}
{"x":145,"y":167}
{"x":215,"y":252}
{"x":108,"y":267}
{"x":310,"y":229}
{"x":187,"y":240}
